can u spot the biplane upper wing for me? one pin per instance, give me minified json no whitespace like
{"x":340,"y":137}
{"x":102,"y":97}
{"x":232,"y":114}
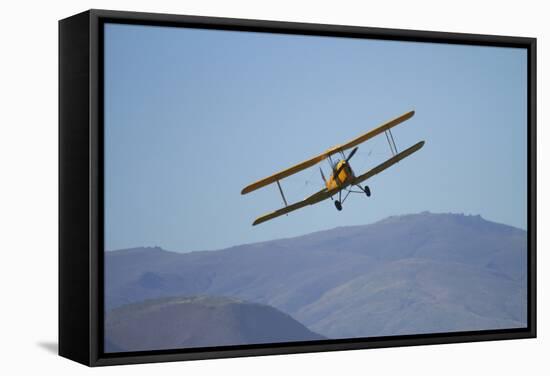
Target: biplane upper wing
{"x":283,"y":174}
{"x":393,"y":160}
{"x":313,"y":161}
{"x":373,"y":132}
{"x":313,"y":199}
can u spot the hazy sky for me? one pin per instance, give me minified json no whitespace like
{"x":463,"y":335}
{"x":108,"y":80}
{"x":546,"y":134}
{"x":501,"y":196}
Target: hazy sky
{"x":193,"y":116}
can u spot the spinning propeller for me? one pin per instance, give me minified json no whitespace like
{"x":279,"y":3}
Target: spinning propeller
{"x":352,"y":153}
{"x":336,"y":172}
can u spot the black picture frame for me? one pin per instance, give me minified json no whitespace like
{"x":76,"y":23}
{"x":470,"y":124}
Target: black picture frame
{"x":81,"y":201}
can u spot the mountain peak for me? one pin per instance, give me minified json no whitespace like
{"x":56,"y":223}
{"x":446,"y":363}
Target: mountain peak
{"x":198,"y":321}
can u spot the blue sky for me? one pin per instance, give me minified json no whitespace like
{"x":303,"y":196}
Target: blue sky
{"x":192,"y":116}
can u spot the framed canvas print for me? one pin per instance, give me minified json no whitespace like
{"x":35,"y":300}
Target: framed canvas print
{"x":238,"y":187}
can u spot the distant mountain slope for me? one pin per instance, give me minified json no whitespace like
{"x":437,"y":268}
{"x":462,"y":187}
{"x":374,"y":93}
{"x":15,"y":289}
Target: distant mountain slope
{"x":170,"y":323}
{"x":406,"y":274}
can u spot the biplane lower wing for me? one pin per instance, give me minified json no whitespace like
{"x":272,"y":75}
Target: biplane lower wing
{"x":325,"y":193}
{"x":390,"y":162}
{"x":313,"y":199}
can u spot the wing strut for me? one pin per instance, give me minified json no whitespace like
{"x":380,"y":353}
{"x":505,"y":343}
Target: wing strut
{"x":393,"y":147}
{"x":282,"y":194}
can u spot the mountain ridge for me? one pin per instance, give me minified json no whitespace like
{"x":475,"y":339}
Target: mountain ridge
{"x":428,"y":260}
{"x":320,"y":232}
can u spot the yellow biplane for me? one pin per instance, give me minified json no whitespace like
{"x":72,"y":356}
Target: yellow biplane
{"x":342,"y":176}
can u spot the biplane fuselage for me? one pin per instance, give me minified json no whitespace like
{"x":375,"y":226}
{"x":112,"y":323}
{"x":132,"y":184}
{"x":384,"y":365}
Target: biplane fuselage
{"x":344,"y":177}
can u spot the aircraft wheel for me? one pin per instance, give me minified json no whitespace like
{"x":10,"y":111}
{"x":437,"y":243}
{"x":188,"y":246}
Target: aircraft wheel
{"x":338,"y":205}
{"x":367,"y":190}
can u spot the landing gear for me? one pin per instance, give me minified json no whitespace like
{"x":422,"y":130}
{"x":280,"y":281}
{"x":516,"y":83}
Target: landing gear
{"x":338,"y":205}
{"x":367,"y":190}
